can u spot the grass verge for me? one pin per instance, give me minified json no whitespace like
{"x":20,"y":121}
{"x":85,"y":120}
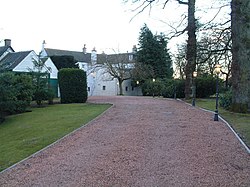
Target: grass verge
{"x":24,"y":134}
{"x":239,"y":122}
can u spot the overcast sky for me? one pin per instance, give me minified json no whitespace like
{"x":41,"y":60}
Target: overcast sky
{"x":69,"y":24}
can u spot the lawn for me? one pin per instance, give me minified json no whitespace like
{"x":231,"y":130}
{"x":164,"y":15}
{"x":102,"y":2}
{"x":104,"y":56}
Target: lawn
{"x":239,"y":122}
{"x":24,"y":134}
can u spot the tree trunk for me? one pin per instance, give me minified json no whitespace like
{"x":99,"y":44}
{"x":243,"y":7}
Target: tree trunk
{"x":191,"y":48}
{"x":120,"y":87}
{"x":240,"y":18}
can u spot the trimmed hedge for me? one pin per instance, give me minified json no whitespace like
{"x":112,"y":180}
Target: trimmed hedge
{"x":73,"y":85}
{"x":164,"y":87}
{"x":205,"y":87}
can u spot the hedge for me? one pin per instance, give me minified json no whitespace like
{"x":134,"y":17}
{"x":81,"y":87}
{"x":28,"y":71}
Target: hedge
{"x":205,"y":87}
{"x":73,"y":85}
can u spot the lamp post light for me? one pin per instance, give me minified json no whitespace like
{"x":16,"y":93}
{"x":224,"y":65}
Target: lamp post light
{"x":217,"y":71}
{"x":153,"y":87}
{"x":194,"y":88}
{"x":137,"y":83}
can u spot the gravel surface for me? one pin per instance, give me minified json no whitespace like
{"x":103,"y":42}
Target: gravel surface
{"x":140,"y":141}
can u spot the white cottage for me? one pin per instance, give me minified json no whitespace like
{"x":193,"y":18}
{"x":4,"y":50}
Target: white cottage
{"x":23,"y":61}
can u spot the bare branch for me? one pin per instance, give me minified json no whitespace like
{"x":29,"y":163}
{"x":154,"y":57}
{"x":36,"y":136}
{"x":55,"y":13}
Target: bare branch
{"x":165,"y":4}
{"x":182,"y":2}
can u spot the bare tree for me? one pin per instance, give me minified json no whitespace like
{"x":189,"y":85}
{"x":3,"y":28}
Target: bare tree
{"x":119,"y":66}
{"x":215,"y":47}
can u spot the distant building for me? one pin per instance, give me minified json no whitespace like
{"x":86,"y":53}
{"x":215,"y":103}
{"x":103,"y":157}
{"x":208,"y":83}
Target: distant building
{"x":99,"y":81}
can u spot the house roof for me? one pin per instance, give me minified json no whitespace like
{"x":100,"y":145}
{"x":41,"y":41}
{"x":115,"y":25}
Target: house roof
{"x":79,"y":56}
{"x":3,"y":49}
{"x":115,"y":58}
{"x":11,"y":60}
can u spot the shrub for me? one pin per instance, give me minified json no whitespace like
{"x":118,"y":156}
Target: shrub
{"x":174,"y":86}
{"x":25,"y":91}
{"x":150,"y":88}
{"x":73,"y":85}
{"x":15,"y":93}
{"x":41,"y":95}
{"x":42,"y":91}
{"x":226,"y":100}
{"x":164,"y":87}
{"x":205,"y":86}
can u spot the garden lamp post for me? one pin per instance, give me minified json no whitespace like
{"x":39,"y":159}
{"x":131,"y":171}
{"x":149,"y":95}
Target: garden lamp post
{"x":217,"y":71}
{"x":153,"y":87}
{"x":194,"y":88}
{"x":137,"y":83}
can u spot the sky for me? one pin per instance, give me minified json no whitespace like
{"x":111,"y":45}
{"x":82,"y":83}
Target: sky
{"x":69,"y":24}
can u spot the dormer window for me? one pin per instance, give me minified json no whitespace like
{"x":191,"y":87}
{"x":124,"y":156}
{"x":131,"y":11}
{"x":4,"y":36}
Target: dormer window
{"x":130,"y":57}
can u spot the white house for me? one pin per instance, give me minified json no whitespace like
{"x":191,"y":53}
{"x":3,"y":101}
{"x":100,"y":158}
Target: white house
{"x":23,"y":61}
{"x":99,"y":82}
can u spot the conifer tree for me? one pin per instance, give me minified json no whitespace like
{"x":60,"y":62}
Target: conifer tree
{"x":153,"y":57}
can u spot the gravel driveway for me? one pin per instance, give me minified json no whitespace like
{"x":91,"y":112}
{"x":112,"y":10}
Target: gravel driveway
{"x":140,"y":141}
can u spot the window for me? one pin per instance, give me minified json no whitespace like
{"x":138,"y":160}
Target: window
{"x":130,"y":57}
{"x":88,"y":89}
{"x":126,"y":88}
{"x":103,"y":87}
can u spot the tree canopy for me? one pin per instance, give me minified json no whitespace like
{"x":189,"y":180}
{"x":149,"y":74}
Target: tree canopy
{"x":64,"y":62}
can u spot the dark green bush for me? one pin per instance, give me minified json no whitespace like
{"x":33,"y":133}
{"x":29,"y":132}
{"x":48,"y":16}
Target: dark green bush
{"x":226,"y":100}
{"x":164,"y":87}
{"x":41,"y":95}
{"x":64,"y":62}
{"x":150,"y":88}
{"x":15,"y":93}
{"x":73,"y":85}
{"x":172,"y":87}
{"x":25,"y":91}
{"x":42,"y":92}
{"x":206,"y":86}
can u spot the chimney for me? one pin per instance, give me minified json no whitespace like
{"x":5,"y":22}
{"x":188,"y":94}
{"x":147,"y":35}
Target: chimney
{"x":7,"y":42}
{"x":43,"y":44}
{"x":84,"y":49}
{"x":93,"y":56}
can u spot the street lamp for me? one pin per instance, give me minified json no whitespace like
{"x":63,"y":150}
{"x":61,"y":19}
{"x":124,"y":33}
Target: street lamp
{"x":217,"y":71}
{"x":194,"y":88}
{"x":153,"y":88}
{"x":137,"y":87}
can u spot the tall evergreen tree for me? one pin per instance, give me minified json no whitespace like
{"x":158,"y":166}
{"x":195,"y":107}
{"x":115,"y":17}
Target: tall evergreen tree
{"x":153,"y":55}
{"x":163,"y":64}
